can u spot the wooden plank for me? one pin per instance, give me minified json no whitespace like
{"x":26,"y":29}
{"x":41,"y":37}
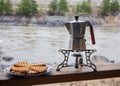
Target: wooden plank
{"x":65,"y":75}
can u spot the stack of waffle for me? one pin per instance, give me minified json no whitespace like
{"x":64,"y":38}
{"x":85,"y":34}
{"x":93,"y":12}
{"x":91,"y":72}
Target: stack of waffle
{"x":27,"y":68}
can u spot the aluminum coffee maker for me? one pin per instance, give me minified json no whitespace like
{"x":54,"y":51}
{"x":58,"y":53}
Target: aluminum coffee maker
{"x":76,"y":30}
{"x":77,"y":43}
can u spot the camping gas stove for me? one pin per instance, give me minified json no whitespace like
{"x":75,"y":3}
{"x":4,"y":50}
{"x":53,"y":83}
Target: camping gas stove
{"x":77,"y":44}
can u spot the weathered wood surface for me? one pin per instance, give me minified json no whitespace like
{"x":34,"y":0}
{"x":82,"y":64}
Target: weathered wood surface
{"x":64,"y":75}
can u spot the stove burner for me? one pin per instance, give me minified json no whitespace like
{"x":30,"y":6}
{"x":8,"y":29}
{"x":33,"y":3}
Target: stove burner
{"x":79,"y":59}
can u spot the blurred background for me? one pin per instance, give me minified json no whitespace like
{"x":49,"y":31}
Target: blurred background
{"x":34,"y":31}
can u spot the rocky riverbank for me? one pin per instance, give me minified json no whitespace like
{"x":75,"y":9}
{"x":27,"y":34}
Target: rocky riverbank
{"x":56,"y":21}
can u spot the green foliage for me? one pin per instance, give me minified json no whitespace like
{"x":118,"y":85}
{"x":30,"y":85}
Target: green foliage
{"x":84,"y":7}
{"x":58,"y":7}
{"x":27,"y":7}
{"x":1,"y":6}
{"x":5,"y":7}
{"x":78,"y":8}
{"x":115,"y":7}
{"x":53,"y":6}
{"x":63,"y":6}
{"x":41,"y":11}
{"x":110,"y":7}
{"x":8,"y":7}
{"x":105,"y":7}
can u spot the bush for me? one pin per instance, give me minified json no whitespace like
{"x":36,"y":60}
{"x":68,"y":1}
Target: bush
{"x":58,"y":7}
{"x":110,"y":7}
{"x":5,"y":7}
{"x":83,"y":8}
{"x":27,"y":8}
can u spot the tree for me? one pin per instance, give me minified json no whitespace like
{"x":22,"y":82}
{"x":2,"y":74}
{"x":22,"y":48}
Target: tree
{"x":115,"y":8}
{"x":27,"y":7}
{"x":110,"y":7}
{"x":2,"y":7}
{"x":34,"y":6}
{"x":105,"y":7}
{"x":63,"y":6}
{"x":84,"y":8}
{"x":53,"y":6}
{"x":8,"y":7}
{"x":5,"y":7}
{"x":78,"y":8}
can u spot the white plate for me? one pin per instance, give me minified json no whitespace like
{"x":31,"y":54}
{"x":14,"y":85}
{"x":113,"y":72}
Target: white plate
{"x":49,"y":69}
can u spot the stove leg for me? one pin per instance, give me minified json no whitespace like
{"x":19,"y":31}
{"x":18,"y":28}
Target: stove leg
{"x":65,"y":62}
{"x":81,"y":61}
{"x":88,"y":61}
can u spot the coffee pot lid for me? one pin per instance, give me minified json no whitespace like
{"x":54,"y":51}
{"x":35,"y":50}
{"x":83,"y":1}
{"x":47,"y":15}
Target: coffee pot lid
{"x":76,"y":20}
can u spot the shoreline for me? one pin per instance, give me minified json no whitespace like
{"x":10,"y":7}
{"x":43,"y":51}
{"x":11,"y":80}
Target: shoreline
{"x":48,"y":26}
{"x":56,"y":21}
{"x":5,"y":25}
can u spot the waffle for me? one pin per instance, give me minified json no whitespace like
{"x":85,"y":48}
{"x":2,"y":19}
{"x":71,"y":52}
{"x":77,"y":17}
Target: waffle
{"x":27,"y":68}
{"x":39,"y":68}
{"x":32,"y":71}
{"x":20,"y":69}
{"x":22,"y":64}
{"x":15,"y":72}
{"x":39,"y":64}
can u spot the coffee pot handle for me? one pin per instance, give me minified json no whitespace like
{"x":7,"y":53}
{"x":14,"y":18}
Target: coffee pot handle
{"x":91,"y":31}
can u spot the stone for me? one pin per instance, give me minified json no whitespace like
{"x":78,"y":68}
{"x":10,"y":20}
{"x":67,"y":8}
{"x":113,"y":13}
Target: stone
{"x":7,"y":58}
{"x":99,"y":59}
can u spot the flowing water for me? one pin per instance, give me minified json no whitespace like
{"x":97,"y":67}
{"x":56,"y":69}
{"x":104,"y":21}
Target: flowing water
{"x":41,"y":44}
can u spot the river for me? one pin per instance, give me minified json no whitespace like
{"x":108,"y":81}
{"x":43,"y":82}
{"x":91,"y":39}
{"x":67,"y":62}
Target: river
{"x":41,"y":44}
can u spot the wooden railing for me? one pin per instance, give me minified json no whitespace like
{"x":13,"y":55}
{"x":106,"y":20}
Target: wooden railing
{"x":67,"y":74}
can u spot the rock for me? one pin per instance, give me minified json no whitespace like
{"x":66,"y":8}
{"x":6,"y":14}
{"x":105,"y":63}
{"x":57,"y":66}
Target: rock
{"x":2,"y":67}
{"x":7,"y":58}
{"x":1,"y":52}
{"x":99,"y":59}
{"x":112,"y":61}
